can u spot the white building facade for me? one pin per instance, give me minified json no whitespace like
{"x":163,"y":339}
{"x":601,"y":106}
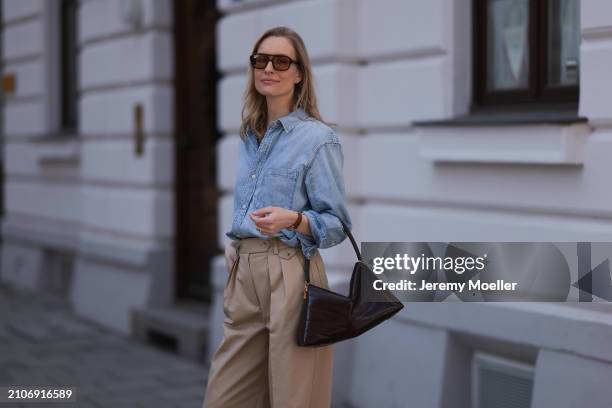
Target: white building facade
{"x":84,"y":214}
{"x":87,"y":216}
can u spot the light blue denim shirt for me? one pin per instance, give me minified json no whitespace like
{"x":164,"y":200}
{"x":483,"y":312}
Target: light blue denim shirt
{"x":299,"y":166}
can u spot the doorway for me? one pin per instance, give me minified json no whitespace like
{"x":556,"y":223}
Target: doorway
{"x":196,"y":135}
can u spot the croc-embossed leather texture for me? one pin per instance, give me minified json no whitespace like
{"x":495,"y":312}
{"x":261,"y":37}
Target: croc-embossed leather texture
{"x":329,"y":317}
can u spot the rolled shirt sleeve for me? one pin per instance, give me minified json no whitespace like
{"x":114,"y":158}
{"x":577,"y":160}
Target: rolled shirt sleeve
{"x":324,"y":184}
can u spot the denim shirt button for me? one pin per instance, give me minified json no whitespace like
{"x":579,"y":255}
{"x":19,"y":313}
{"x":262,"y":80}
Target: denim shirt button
{"x":311,"y":174}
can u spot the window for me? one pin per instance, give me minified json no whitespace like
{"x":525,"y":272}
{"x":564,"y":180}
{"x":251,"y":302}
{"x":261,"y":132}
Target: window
{"x":68,"y":66}
{"x":526,"y":53}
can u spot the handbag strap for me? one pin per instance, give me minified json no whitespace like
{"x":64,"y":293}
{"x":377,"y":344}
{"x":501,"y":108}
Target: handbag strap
{"x":347,"y":231}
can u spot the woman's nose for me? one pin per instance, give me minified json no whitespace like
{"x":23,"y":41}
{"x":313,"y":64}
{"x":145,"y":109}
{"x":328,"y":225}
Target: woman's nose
{"x":269,"y":66}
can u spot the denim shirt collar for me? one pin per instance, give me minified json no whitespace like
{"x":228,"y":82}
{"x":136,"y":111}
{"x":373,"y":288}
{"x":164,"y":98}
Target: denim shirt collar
{"x":293,"y":118}
{"x":288,"y":121}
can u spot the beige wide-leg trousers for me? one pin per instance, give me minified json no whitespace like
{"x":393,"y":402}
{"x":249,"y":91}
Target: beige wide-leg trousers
{"x":258,"y":363}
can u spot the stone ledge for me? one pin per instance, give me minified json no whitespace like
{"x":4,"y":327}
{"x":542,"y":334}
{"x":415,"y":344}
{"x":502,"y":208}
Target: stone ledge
{"x":565,"y":327}
{"x":520,"y":144}
{"x":185,"y":330}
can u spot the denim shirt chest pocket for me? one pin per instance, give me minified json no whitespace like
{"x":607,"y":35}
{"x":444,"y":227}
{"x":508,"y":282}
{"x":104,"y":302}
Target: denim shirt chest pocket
{"x":277,"y":188}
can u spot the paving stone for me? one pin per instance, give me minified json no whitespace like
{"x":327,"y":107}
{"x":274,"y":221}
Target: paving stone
{"x":44,"y":344}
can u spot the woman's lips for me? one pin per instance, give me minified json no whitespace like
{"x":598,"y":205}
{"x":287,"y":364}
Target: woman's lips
{"x":268,"y":81}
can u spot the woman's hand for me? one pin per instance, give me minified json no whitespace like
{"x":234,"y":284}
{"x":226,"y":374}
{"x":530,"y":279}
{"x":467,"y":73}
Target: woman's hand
{"x":231,"y":255}
{"x":270,"y":220}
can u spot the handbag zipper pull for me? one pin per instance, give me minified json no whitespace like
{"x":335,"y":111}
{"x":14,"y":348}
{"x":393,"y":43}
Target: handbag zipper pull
{"x":305,"y":289}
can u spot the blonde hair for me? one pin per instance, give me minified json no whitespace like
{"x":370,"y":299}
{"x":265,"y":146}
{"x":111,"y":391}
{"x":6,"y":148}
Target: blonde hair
{"x":255,"y":111}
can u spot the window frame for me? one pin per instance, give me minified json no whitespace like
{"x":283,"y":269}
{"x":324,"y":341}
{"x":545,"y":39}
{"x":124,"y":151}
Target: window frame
{"x":538,"y":94}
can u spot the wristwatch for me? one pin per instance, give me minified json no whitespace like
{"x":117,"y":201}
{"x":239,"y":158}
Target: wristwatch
{"x":296,"y":223}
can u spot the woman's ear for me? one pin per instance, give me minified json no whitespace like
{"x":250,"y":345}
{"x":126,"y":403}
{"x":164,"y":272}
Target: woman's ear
{"x":298,"y":76}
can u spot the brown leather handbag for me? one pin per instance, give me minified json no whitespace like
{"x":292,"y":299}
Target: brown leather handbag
{"x":328,"y":317}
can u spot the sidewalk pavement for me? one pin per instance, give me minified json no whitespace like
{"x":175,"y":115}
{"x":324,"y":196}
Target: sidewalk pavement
{"x":42,"y":343}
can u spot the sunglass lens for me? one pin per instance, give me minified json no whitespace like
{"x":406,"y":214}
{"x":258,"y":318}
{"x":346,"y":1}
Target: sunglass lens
{"x":281,"y":63}
{"x":259,"y":61}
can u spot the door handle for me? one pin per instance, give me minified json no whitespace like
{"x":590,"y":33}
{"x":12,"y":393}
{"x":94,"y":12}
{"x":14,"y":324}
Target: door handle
{"x":138,"y":129}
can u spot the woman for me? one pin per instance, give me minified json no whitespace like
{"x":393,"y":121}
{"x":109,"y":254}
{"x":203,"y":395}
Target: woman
{"x":288,"y":201}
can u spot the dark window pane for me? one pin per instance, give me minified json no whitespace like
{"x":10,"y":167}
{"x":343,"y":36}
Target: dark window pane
{"x":564,"y":42}
{"x":68,"y":44}
{"x":507,"y":45}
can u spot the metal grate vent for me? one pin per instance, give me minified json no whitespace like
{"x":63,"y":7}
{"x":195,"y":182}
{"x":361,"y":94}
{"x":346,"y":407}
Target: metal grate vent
{"x":500,"y":383}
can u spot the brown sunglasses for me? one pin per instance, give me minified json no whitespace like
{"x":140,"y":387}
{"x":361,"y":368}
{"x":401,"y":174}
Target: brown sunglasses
{"x":279,"y":62}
